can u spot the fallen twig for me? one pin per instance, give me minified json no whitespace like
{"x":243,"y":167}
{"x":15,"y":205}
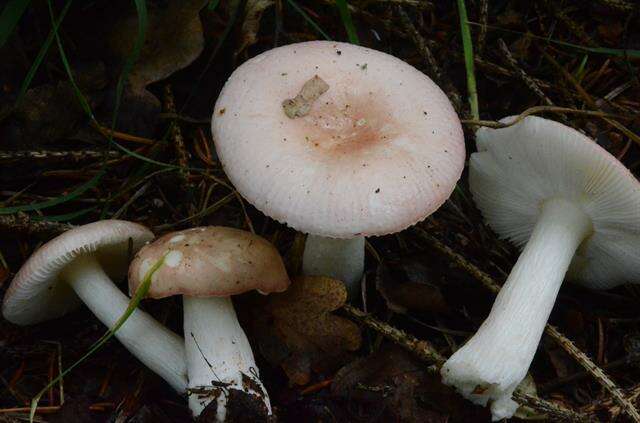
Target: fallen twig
{"x":543,"y":109}
{"x":569,"y":347}
{"x":426,"y":352}
{"x":23,"y":224}
{"x":48,"y":155}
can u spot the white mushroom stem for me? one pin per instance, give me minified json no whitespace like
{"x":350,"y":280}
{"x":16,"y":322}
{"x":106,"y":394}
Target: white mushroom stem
{"x":492,"y":363}
{"x":342,"y":259}
{"x":219,"y":356}
{"x":158,"y":348}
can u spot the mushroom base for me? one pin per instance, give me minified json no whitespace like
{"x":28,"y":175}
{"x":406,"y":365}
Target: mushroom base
{"x":489,"y":367}
{"x":158,"y":348}
{"x":219,"y":356}
{"x":342,"y":259}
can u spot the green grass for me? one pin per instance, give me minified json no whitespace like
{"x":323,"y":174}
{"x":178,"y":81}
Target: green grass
{"x":345,"y":16}
{"x":10,"y":17}
{"x":616,"y":52}
{"x":140,"y":293}
{"x":93,"y":182}
{"x":26,"y":83}
{"x":467,"y":46}
{"x":308,"y":19}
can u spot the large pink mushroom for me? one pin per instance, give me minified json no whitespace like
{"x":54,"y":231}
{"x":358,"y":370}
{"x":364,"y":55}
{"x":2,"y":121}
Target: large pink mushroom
{"x":340,"y":142}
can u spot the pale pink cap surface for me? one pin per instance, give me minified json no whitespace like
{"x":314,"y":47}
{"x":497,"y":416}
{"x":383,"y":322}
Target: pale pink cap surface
{"x":211,"y":261}
{"x":379,"y":151}
{"x":37,"y":293}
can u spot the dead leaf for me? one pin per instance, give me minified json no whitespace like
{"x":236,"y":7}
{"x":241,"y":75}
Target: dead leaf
{"x":4,"y":275}
{"x":611,"y":32}
{"x":409,"y":284}
{"x":390,"y":385}
{"x":310,"y":338}
{"x":252,"y":15}
{"x":50,"y":112}
{"x":173,"y":41}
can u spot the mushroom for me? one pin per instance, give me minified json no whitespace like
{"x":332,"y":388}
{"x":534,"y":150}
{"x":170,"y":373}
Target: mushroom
{"x":340,"y":142}
{"x":576,"y":211}
{"x":207,"y":266}
{"x":79,"y":265}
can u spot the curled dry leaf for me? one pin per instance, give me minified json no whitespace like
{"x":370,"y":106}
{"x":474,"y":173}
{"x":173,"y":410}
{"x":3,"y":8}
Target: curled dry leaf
{"x":252,"y":15}
{"x":173,"y":41}
{"x":310,"y":337}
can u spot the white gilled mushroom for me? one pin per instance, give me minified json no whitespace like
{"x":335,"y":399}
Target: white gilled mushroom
{"x":80,"y":264}
{"x":576,"y":211}
{"x":207,"y":266}
{"x":340,"y":142}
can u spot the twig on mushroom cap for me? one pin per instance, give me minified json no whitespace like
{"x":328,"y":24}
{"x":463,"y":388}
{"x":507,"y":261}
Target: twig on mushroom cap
{"x":493,"y":286}
{"x":427,"y":352}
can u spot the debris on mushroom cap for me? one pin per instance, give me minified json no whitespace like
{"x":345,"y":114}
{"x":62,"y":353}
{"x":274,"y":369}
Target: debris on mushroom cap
{"x":35,"y":294}
{"x":301,"y":104}
{"x":518,"y":168}
{"x":380,"y":150}
{"x":210,"y":261}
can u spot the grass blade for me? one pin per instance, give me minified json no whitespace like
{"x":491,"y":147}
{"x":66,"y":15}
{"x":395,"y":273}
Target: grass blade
{"x":345,"y":15}
{"x":140,"y":293}
{"x":63,"y":57}
{"x":42,"y":53}
{"x":616,"y":52}
{"x":141,"y":9}
{"x":10,"y":17}
{"x":467,"y":46}
{"x":56,"y":201}
{"x":307,"y":18}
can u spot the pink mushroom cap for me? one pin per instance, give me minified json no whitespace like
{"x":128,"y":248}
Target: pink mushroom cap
{"x":379,"y":151}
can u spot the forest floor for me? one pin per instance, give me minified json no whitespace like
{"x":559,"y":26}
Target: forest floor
{"x":427,"y":289}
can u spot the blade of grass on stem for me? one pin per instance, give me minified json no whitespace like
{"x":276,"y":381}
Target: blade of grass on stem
{"x":140,"y":293}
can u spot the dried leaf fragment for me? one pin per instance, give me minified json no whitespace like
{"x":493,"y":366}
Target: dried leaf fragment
{"x":300,"y":105}
{"x":252,"y":15}
{"x":313,"y":337}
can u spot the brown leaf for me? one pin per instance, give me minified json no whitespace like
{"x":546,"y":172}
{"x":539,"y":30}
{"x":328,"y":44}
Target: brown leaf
{"x":611,"y":32}
{"x":252,"y":15}
{"x":4,"y":275}
{"x":409,"y":284}
{"x":390,"y":385}
{"x":173,"y":41}
{"x":314,"y":339}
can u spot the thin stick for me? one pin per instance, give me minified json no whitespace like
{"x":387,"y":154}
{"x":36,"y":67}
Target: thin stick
{"x":429,"y":58}
{"x":426,"y":352}
{"x":489,"y":283}
{"x":529,"y":82}
{"x":484,"y":17}
{"x":122,"y":136}
{"x":544,"y":109}
{"x":587,"y":98}
{"x":48,"y":155}
{"x":23,"y":224}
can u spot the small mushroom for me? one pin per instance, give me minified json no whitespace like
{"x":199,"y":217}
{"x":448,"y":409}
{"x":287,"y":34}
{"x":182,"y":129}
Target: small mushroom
{"x":366,"y":145}
{"x":207,"y":266}
{"x":575,"y":210}
{"x":79,"y":265}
